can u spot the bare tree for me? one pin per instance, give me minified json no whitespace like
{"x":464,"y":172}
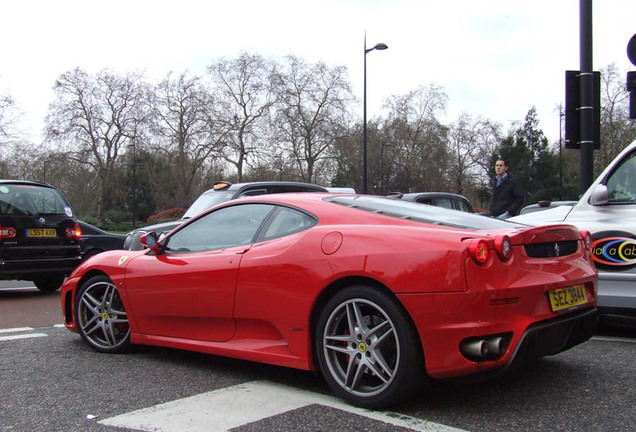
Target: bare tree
{"x":311,"y":114}
{"x":94,"y":118}
{"x":417,"y":139}
{"x":617,"y":129}
{"x":244,"y":96}
{"x":471,"y":141}
{"x":184,"y":129}
{"x":8,"y":118}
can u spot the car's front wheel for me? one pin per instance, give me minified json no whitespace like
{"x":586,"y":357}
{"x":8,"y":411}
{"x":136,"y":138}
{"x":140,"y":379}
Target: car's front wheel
{"x":101,"y":317}
{"x":368,"y":349}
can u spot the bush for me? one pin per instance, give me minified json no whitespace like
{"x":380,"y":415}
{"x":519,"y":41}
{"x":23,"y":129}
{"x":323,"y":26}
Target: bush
{"x":167,"y":215}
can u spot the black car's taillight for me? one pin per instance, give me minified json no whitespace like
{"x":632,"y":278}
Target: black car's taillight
{"x":7,"y":232}
{"x":74,"y":232}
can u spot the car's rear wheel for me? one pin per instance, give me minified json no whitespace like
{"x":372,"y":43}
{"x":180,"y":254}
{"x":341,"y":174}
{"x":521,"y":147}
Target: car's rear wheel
{"x":367,"y":348}
{"x":49,"y":283}
{"x":101,"y":317}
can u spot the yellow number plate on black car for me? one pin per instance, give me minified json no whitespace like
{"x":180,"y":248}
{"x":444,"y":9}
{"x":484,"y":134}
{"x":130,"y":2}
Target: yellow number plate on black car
{"x":41,"y":232}
{"x":566,"y":298}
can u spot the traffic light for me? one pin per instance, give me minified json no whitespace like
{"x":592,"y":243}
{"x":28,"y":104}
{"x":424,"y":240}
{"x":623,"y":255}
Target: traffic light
{"x":573,"y":111}
{"x":631,"y":77}
{"x":631,"y":88}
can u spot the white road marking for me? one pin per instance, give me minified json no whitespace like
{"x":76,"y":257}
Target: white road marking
{"x":16,"y":329}
{"x":22,"y":336}
{"x":231,"y":407}
{"x":614,"y":339}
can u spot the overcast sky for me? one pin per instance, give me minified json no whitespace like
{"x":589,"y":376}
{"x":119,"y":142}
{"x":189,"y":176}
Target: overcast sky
{"x":495,"y":58}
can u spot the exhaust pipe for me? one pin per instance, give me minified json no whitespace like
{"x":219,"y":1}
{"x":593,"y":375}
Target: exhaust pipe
{"x":475,"y":348}
{"x":496,"y":345}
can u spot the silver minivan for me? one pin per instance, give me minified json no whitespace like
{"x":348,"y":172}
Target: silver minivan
{"x":608,"y":211}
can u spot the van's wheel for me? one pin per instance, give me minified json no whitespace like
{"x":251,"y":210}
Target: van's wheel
{"x":367,"y":348}
{"x":100,"y":316}
{"x":49,"y":283}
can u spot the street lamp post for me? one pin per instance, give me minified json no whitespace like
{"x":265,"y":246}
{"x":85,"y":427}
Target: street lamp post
{"x":379,"y":46}
{"x":134,"y":185}
{"x":382,"y":175}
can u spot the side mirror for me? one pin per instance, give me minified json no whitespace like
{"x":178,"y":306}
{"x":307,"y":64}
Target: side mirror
{"x":599,"y":196}
{"x":150,"y":241}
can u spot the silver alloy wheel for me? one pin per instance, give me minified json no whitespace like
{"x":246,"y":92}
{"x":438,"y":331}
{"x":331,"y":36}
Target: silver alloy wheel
{"x":361,"y":347}
{"x":101,"y":316}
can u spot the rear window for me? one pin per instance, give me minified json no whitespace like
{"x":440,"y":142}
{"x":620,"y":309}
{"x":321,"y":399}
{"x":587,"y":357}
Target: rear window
{"x":30,"y":200}
{"x":420,"y":213}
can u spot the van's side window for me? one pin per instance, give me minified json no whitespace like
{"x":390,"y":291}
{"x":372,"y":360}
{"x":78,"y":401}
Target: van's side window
{"x":621,"y":185}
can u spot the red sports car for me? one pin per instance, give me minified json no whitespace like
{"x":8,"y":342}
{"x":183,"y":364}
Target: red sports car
{"x":376,"y":294}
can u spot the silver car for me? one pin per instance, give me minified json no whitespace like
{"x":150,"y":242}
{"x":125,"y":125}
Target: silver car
{"x":608,"y":211}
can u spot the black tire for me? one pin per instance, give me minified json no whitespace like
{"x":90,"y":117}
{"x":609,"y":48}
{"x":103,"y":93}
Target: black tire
{"x":49,"y":283}
{"x":100,"y":316}
{"x":367,"y":348}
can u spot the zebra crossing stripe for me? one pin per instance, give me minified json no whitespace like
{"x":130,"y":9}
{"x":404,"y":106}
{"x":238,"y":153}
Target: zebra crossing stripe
{"x":232,"y":407}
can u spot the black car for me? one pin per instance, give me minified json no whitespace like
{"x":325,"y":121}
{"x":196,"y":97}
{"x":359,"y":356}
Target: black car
{"x":39,"y":234}
{"x":439,"y":199}
{"x":95,"y":240}
{"x":221,"y":192}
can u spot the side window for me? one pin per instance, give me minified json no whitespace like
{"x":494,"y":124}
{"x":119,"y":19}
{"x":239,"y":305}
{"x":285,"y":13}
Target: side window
{"x":621,"y":184}
{"x":464,"y":206}
{"x":290,"y":188}
{"x":227,"y":227}
{"x":442,"y":202}
{"x":286,"y":221}
{"x":252,"y":192}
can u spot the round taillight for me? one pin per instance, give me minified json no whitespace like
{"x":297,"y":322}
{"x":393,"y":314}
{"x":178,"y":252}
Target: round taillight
{"x":503,"y":247}
{"x":587,"y":239}
{"x":7,"y":232}
{"x":478,"y":250}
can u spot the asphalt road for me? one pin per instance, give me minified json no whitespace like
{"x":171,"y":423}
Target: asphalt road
{"x":51,"y":381}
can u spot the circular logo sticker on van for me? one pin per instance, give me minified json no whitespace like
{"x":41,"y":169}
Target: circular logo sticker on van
{"x":614,"y":250}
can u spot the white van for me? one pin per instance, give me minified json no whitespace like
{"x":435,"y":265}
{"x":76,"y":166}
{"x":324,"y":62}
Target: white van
{"x":608,"y":211}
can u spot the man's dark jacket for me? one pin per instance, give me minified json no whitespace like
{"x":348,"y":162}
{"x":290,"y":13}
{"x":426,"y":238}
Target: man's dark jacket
{"x":507,"y":197}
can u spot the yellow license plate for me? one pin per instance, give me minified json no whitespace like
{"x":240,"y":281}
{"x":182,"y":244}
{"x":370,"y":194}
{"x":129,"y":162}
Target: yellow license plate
{"x":41,"y":232}
{"x":567,"y":298}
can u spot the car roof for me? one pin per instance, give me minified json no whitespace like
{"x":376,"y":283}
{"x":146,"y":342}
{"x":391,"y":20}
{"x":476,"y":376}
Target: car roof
{"x":247,"y":185}
{"x":414,"y":195}
{"x":26,"y":182}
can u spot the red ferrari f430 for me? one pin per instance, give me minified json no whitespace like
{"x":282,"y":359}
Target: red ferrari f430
{"x":376,"y":294}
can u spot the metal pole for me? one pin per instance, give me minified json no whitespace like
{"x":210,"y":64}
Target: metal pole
{"x":561,"y":115}
{"x":587,"y":99}
{"x":378,"y":46}
{"x":364,"y":121}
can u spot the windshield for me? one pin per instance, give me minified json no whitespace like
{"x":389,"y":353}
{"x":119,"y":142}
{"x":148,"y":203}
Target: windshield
{"x":207,"y":200}
{"x":17,"y":199}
